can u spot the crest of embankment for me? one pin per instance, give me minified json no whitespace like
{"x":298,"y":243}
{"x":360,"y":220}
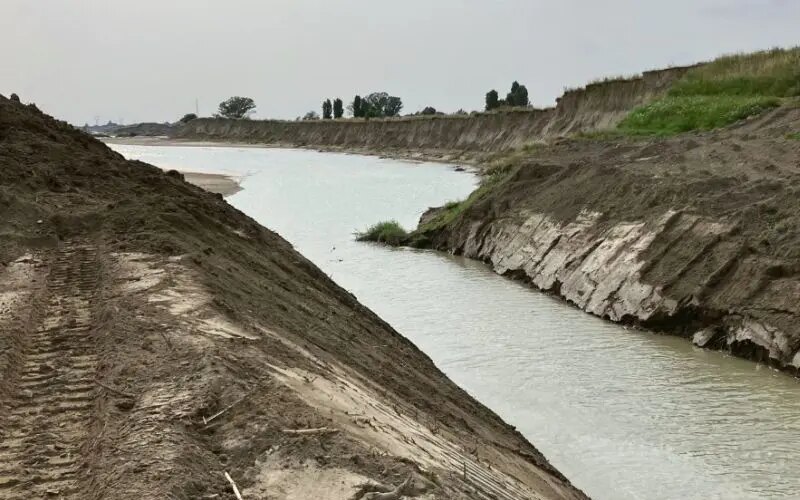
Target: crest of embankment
{"x":598,"y":105}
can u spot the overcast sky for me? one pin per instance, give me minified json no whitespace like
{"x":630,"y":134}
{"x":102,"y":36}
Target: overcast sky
{"x":148,"y":60}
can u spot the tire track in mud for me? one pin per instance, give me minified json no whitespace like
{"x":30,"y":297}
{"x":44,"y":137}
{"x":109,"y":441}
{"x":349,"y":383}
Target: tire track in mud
{"x":51,"y":409}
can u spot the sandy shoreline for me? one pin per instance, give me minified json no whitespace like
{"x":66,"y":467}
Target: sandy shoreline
{"x":216,"y":183}
{"x":224,"y":184}
{"x":468,"y":161}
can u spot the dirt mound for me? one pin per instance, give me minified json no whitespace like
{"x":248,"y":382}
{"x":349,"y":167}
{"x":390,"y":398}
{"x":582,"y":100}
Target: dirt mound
{"x":153,"y":338}
{"x":696,"y":235}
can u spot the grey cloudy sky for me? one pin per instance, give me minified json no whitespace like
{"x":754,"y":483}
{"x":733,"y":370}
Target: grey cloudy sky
{"x":149,"y":59}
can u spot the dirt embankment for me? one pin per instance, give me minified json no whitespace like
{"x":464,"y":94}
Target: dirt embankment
{"x":697,"y":235}
{"x":153,"y":338}
{"x":599,"y":105}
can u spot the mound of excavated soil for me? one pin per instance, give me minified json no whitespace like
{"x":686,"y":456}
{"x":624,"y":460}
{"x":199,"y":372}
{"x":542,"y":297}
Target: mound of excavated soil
{"x":697,"y":235}
{"x":153,"y":338}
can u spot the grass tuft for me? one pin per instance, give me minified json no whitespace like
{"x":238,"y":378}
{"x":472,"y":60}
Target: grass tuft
{"x":389,"y":232}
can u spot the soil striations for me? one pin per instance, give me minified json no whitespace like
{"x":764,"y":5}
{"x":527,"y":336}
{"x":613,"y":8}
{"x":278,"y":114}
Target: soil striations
{"x":153,"y":338}
{"x":697,"y":235}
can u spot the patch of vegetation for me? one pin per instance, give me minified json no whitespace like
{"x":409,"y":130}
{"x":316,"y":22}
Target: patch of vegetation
{"x":389,"y":232}
{"x":494,"y":175}
{"x":794,"y":137}
{"x":720,"y":93}
{"x":674,"y":115}
{"x":773,"y":73}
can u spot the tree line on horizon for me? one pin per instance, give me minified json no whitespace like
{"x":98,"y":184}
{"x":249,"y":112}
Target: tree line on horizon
{"x":373,"y":105}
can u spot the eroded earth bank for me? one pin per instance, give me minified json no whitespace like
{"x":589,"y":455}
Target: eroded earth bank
{"x":153,"y":338}
{"x":697,"y":235}
{"x":616,"y":201}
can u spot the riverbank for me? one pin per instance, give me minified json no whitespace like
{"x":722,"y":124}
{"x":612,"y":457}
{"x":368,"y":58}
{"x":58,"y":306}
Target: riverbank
{"x":586,"y":391}
{"x":695,"y":235}
{"x":184,"y":342}
{"x":666,"y":201}
{"x":470,"y":160}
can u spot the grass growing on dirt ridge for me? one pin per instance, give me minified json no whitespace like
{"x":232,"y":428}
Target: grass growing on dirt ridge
{"x":720,"y":92}
{"x":494,"y":174}
{"x":389,"y":232}
{"x":674,"y":115}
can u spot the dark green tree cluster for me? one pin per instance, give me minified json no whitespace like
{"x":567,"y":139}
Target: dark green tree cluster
{"x":236,"y":107}
{"x":327,"y":109}
{"x":338,"y":108}
{"x":332,"y":110}
{"x":376,"y":105}
{"x":518,"y":96}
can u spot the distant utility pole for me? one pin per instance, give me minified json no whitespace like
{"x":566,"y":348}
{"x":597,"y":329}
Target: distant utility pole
{"x":197,"y":106}
{"x":96,"y":120}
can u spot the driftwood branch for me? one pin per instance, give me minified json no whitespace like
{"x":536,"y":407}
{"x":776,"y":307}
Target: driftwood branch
{"x":233,"y":485}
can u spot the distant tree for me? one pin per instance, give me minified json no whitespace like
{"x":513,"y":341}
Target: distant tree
{"x":311,"y":115}
{"x":338,"y":108}
{"x":357,"y":110}
{"x":188,"y":117}
{"x":236,"y":107}
{"x":429,"y":110}
{"x":492,"y":100}
{"x":393,"y":106}
{"x":518,"y":95}
{"x":327,"y":109}
{"x":379,"y":104}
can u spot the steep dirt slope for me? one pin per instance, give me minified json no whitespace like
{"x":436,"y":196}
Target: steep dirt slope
{"x":153,"y":338}
{"x":599,"y":105}
{"x":697,"y":235}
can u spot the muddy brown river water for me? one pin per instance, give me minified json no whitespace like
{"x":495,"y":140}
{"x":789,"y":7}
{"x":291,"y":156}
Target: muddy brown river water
{"x":624,"y":414}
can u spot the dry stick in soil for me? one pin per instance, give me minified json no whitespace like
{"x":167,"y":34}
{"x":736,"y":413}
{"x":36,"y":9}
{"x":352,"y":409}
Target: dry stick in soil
{"x":233,"y":485}
{"x":302,"y":432}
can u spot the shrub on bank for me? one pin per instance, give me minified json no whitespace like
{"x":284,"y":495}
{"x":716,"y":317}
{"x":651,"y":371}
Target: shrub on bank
{"x":389,"y":232}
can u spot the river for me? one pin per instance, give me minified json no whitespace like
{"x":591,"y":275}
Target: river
{"x":623,"y":414}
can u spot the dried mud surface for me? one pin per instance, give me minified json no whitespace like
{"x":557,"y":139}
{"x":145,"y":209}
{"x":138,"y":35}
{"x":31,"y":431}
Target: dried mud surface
{"x":153,"y":338}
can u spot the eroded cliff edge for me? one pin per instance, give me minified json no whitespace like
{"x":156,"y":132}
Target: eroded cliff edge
{"x":697,"y":235}
{"x":598,"y":105}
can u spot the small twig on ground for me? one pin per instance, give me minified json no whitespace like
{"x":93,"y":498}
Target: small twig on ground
{"x":208,"y":420}
{"x":233,"y":485}
{"x":301,"y":432}
{"x":112,"y":389}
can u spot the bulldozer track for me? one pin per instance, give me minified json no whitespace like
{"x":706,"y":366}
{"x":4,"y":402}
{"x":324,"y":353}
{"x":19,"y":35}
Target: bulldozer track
{"x":53,"y":401}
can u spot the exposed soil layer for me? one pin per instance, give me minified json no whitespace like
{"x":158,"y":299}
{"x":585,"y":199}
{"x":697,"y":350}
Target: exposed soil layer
{"x":697,"y":235}
{"x":152,"y":338}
